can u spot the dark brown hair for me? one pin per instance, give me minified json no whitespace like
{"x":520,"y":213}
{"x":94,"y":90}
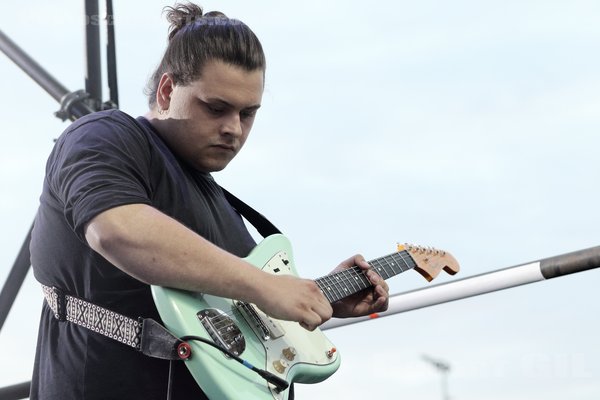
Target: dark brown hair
{"x":196,"y":38}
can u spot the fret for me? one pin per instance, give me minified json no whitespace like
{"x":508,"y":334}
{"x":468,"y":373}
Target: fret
{"x":351,"y":279}
{"x":400,"y":262}
{"x":406,"y":260}
{"x":359,"y":278}
{"x":341,"y":289}
{"x":378,"y":267}
{"x":394,"y":264}
{"x":389,"y":267}
{"x":327,"y":288}
{"x":346,"y":283}
{"x":333,"y":289}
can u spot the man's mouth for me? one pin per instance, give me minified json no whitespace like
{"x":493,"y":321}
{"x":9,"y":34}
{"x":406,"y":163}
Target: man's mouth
{"x":225,"y":147}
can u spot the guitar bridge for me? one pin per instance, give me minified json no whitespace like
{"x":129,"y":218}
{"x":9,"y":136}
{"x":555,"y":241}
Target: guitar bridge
{"x":222,"y":330}
{"x":265,"y":327}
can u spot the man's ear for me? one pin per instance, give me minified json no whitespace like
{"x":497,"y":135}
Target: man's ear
{"x":163,"y":92}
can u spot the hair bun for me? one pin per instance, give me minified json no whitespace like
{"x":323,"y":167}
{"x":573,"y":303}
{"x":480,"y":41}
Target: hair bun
{"x":181,"y":15}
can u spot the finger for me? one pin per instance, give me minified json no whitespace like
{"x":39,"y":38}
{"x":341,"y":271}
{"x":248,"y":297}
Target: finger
{"x":351,"y":262}
{"x":383,"y":284}
{"x":360,"y":261}
{"x":376,"y":279}
{"x":312,"y":321}
{"x":382,"y":299}
{"x":323,"y":311}
{"x":381,"y":293}
{"x":323,"y":304}
{"x":317,"y":310}
{"x":307,"y":326}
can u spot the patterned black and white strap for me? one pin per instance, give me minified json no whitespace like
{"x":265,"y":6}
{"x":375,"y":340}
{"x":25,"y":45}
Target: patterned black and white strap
{"x":98,"y":319}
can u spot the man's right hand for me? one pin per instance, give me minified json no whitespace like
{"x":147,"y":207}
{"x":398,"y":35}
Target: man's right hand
{"x":288,"y":297}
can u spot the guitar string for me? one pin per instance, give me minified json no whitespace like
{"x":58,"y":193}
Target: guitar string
{"x":380,"y":265}
{"x":338,"y":288}
{"x":356,"y":274}
{"x":379,"y":261}
{"x":337,"y":285}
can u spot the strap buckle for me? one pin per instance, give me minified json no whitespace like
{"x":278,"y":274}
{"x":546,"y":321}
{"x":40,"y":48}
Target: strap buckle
{"x":61,"y":303}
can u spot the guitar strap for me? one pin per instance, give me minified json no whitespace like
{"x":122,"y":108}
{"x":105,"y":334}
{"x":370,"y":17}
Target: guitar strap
{"x":143,"y":334}
{"x":259,"y":221}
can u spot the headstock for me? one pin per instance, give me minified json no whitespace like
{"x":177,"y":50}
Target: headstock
{"x":430,"y":261}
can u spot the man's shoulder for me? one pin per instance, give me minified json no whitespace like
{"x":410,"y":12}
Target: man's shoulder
{"x":104,"y":117}
{"x":103,"y":127}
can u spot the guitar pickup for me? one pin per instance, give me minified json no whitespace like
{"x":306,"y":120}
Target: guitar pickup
{"x":265,"y":327}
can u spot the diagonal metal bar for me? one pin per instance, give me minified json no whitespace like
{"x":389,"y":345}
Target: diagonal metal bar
{"x":15,"y":392}
{"x":15,"y":280}
{"x":41,"y":76}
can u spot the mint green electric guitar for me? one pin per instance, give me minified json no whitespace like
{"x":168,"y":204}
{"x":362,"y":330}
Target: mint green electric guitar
{"x":283,"y":350}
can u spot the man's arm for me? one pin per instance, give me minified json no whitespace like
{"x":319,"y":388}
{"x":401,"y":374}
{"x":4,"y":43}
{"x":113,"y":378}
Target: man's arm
{"x":158,"y":250}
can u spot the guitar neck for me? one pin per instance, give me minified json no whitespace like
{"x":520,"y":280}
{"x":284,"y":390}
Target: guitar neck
{"x":352,"y":280}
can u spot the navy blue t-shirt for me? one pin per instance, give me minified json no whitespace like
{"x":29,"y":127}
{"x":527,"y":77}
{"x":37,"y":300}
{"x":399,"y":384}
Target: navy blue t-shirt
{"x":101,"y":161}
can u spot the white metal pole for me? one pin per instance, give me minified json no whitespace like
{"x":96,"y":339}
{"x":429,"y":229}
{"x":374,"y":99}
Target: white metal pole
{"x":548,"y":268}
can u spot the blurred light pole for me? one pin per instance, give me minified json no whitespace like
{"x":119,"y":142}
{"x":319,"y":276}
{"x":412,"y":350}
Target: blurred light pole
{"x":443,"y":368}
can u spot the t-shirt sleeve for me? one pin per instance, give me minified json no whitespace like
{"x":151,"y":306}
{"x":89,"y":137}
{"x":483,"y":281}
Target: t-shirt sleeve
{"x":99,"y":165}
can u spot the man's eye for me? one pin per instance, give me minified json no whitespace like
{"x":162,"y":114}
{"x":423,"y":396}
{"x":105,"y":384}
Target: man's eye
{"x":215,"y":109}
{"x":248,"y":114}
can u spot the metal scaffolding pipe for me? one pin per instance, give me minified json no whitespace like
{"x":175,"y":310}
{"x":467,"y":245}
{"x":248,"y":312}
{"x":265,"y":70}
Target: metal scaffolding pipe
{"x":15,"y":392}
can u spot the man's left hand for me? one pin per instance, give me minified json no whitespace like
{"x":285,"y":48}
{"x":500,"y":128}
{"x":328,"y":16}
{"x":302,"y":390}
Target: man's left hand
{"x":367,"y":301}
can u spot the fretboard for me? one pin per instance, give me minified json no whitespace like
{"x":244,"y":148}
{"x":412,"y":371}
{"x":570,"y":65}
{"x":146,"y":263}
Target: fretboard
{"x":352,"y":280}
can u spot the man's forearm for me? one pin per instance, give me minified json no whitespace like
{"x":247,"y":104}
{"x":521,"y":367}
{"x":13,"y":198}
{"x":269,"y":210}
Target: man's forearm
{"x":158,"y":250}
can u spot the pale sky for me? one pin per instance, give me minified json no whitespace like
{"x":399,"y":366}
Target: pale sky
{"x":469,"y":126}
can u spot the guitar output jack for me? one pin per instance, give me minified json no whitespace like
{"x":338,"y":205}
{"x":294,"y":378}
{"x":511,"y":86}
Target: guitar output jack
{"x":184,"y":351}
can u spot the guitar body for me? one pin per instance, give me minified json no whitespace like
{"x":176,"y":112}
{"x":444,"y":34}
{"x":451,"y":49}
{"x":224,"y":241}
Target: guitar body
{"x":283,"y":348}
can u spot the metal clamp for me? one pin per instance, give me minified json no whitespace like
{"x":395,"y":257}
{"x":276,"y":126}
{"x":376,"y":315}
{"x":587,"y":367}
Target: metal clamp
{"x":67,"y":101}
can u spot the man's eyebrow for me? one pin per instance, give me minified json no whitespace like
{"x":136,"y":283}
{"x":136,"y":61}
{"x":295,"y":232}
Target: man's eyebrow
{"x":252,"y":108}
{"x":227,"y":104}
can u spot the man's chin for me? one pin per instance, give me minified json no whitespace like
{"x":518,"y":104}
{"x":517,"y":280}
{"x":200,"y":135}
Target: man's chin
{"x":215,"y":166}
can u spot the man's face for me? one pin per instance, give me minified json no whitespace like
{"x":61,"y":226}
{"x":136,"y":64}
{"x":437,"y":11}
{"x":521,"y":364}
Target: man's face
{"x":208,"y":121}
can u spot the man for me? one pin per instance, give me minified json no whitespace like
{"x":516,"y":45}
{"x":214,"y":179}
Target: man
{"x":129,"y":203}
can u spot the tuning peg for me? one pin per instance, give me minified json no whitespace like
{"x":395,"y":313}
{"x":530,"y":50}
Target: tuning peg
{"x":429,"y":250}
